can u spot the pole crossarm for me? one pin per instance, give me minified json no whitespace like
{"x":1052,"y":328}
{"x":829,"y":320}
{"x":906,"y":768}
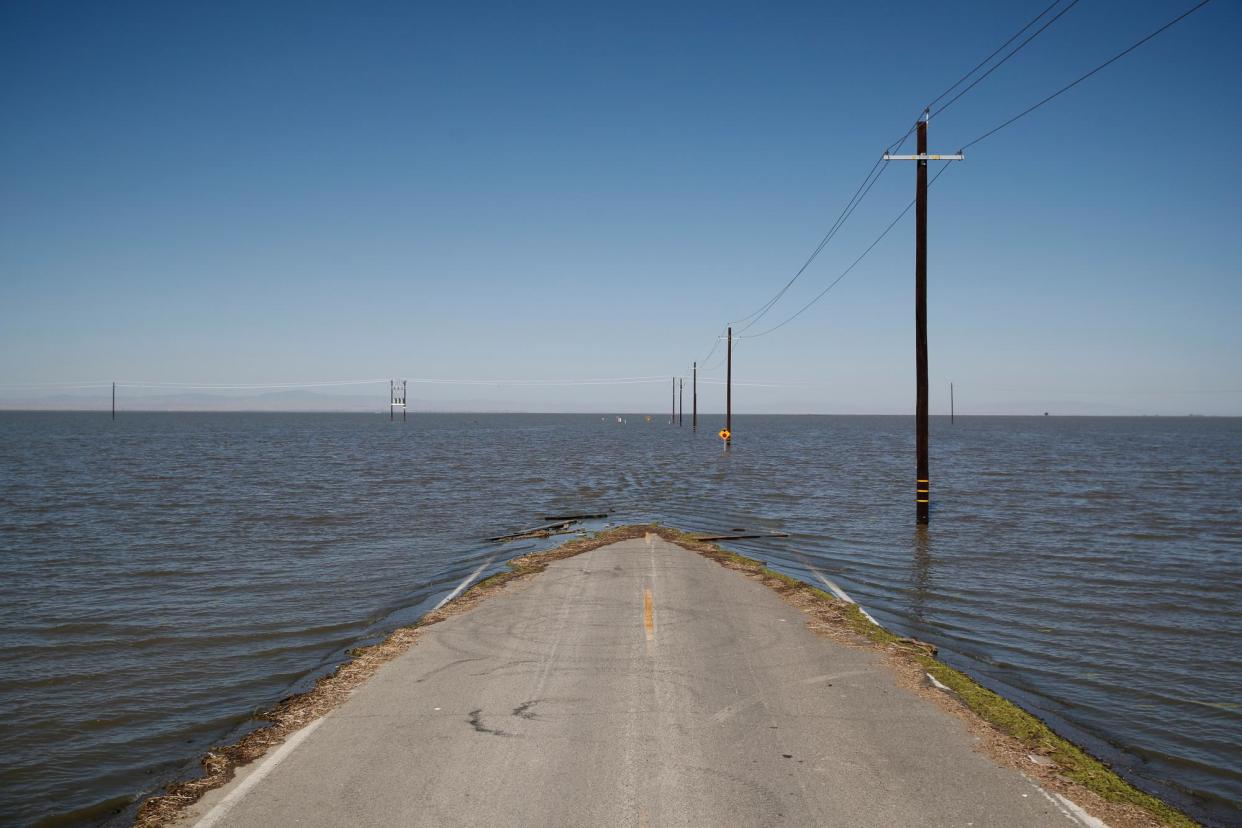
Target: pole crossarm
{"x":924,"y":157}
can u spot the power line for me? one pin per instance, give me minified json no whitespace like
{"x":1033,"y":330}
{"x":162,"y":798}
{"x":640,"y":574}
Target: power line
{"x":872,"y":175}
{"x":189,"y":386}
{"x":242,"y":386}
{"x":1003,"y":60}
{"x":1070,"y":86}
{"x":715,"y":345}
{"x":990,"y":132}
{"x":983,"y":62}
{"x":896,"y":144}
{"x":534,"y":383}
{"x":854,"y":264}
{"x":867,"y":183}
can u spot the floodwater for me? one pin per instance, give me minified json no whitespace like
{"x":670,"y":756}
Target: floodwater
{"x":167,"y":575}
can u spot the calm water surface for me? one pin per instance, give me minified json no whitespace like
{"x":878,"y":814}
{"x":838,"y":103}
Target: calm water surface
{"x":167,"y":575}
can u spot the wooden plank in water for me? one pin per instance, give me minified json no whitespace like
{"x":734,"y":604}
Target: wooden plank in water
{"x":551,"y":527}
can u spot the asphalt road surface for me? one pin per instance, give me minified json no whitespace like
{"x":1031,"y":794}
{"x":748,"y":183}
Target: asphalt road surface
{"x":642,"y":685}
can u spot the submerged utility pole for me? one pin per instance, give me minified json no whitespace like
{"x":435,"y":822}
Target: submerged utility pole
{"x":672,"y":418}
{"x":922,"y":487}
{"x":681,"y":402}
{"x":952,"y":413}
{"x":694,"y":400}
{"x":729,"y":392}
{"x":114,"y":401}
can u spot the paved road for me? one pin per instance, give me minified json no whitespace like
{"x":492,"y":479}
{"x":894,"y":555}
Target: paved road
{"x":638,"y":684}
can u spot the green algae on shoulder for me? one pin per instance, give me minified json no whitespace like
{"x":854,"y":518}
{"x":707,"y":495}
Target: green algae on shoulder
{"x":1073,"y":762}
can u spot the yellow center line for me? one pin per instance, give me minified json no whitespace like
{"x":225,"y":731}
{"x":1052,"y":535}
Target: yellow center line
{"x":649,"y":615}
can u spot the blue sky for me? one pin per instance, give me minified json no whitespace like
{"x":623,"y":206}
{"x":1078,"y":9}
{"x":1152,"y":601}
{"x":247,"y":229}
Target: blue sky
{"x":267,"y":192}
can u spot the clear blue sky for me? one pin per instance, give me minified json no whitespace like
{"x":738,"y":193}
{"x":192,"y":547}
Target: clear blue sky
{"x":255,"y":192}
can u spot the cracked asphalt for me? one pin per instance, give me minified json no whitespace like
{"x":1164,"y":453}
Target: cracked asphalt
{"x":638,"y":684}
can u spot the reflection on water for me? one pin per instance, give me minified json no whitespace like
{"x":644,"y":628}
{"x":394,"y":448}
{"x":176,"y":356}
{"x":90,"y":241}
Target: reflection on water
{"x":166,"y":575}
{"x":920,"y":574}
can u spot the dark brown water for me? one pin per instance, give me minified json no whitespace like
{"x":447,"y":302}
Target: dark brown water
{"x":169,"y":574}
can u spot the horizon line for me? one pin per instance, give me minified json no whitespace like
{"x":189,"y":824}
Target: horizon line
{"x":3,"y":410}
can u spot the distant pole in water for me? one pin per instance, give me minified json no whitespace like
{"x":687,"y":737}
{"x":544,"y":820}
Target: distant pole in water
{"x":114,"y":400}
{"x":729,"y":392}
{"x":951,"y":412}
{"x":681,"y":402}
{"x":672,"y":418}
{"x":694,"y":400}
{"x":396,"y":400}
{"x":922,"y":485}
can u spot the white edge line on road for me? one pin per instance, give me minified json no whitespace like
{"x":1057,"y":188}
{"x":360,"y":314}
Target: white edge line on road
{"x":840,"y":593}
{"x":1072,"y":810}
{"x":837,"y":591}
{"x":469,"y":579}
{"x":269,"y":764}
{"x":832,"y":587}
{"x":1078,"y":813}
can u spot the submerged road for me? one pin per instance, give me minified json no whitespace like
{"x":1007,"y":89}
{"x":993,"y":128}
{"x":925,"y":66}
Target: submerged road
{"x":638,"y":684}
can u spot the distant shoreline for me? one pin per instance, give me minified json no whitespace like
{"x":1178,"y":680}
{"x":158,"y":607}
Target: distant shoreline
{"x":654,"y":415}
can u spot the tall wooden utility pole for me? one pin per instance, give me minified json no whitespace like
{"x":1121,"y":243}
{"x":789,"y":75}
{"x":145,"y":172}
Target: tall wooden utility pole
{"x":729,"y":392}
{"x":694,"y":400}
{"x":114,"y":400}
{"x":922,"y":486}
{"x":681,"y":401}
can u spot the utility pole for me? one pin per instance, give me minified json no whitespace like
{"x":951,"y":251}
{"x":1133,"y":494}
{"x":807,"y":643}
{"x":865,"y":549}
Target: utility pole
{"x":681,"y":402}
{"x":729,"y":392}
{"x":922,"y":486}
{"x":672,"y":418}
{"x":114,"y":401}
{"x":694,"y":400}
{"x":952,"y":417}
{"x":396,"y":400}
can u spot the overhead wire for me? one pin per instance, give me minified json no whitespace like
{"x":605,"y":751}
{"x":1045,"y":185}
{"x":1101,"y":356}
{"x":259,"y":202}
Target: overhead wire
{"x":854,"y":264}
{"x":896,"y":144}
{"x":865,"y":187}
{"x":1006,"y":58}
{"x":990,"y":132}
{"x":1082,"y":78}
{"x":873,"y":175}
{"x":190,"y":386}
{"x":715,"y":345}
{"x":985,"y":61}
{"x":241,"y":386}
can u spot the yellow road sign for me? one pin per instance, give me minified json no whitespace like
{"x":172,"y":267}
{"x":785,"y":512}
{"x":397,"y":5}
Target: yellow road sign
{"x":725,"y":434}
